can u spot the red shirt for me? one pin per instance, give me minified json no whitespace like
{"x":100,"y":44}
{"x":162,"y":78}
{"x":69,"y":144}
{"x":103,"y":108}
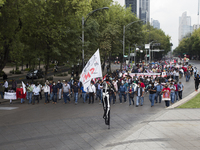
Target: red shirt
{"x":165,"y":89}
{"x":142,"y":85}
{"x":20,"y":94}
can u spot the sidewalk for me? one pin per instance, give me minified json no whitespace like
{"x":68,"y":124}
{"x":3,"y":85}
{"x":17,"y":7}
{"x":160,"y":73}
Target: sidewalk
{"x":174,"y":129}
{"x":171,"y":129}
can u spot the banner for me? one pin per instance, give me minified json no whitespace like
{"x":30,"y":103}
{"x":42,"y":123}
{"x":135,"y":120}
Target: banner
{"x":8,"y":95}
{"x":91,"y":70}
{"x":24,"y":87}
{"x":146,"y":74}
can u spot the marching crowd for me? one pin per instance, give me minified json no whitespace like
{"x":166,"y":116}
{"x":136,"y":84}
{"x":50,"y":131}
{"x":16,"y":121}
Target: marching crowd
{"x":160,"y":81}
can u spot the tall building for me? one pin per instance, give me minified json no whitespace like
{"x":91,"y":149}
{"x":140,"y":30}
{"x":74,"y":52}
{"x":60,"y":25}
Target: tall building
{"x":144,"y":10}
{"x":196,"y":26}
{"x":184,"y":26}
{"x":155,"y":23}
{"x":141,"y":8}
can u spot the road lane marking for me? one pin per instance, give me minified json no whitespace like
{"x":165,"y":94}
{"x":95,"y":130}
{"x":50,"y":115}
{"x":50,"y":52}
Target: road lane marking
{"x":8,"y":108}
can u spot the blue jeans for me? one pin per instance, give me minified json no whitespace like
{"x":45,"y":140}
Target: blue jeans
{"x":130,"y":99}
{"x":176,"y":94}
{"x":22,"y":100}
{"x":54,"y":94}
{"x":1,"y":94}
{"x":66,"y":97}
{"x":172,"y":95}
{"x":120,"y":96}
{"x":98,"y":94}
{"x":112,"y":96}
{"x":152,"y":98}
{"x":46,"y":97}
{"x":140,"y":99}
{"x":51,"y":96}
{"x":76,"y":97}
{"x":27,"y":95}
{"x":187,"y":78}
{"x":36,"y":97}
{"x":30,"y":97}
{"x":84,"y":96}
{"x":158,"y":95}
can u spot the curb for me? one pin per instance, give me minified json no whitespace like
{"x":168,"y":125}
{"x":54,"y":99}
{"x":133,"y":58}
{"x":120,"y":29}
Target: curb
{"x":184,"y":100}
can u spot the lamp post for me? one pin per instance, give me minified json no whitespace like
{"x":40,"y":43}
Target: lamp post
{"x":83,"y":24}
{"x":149,"y":50}
{"x":124,"y":27}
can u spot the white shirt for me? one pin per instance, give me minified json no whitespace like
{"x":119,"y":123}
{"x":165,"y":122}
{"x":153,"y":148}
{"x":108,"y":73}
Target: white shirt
{"x":36,"y":90}
{"x":92,"y":89}
{"x":6,"y":84}
{"x":46,"y":89}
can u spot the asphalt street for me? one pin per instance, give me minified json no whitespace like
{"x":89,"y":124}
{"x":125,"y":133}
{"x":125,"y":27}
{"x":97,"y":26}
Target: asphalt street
{"x":72,"y":127}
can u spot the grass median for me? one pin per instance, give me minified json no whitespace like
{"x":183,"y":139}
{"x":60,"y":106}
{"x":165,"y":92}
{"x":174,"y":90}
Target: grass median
{"x":193,"y":103}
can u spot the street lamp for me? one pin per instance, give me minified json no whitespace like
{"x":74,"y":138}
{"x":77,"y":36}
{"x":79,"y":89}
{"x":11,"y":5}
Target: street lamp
{"x":124,"y":34}
{"x":83,"y":24}
{"x":149,"y":50}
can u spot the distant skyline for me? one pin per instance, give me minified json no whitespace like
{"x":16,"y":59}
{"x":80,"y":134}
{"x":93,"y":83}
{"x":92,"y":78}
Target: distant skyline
{"x":167,"y":12}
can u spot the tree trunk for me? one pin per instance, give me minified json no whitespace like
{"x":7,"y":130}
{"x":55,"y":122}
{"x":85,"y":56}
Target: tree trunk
{"x":22,"y":64}
{"x":39,"y":63}
{"x":110,"y":62}
{"x":4,"y":58}
{"x":46,"y":63}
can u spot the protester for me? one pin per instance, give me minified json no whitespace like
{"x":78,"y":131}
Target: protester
{"x":180,"y":90}
{"x":55,"y":91}
{"x":91,"y":91}
{"x":66,"y":90}
{"x":5,"y":86}
{"x":197,"y":80}
{"x":36,"y":93}
{"x":131,"y":93}
{"x":166,"y":95}
{"x":152,"y":92}
{"x":14,"y":85}
{"x":159,"y":88}
{"x":75,"y":90}
{"x":1,"y":90}
{"x":29,"y":90}
{"x":59,"y":84}
{"x":46,"y":90}
{"x":140,"y":95}
{"x":122,"y":92}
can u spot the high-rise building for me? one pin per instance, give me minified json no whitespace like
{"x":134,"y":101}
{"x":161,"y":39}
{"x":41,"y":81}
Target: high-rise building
{"x":144,"y":10}
{"x":155,"y":23}
{"x":196,"y":26}
{"x":185,"y":27}
{"x":141,"y":8}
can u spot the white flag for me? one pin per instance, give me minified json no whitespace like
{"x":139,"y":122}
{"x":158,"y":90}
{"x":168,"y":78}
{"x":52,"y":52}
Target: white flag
{"x":24,"y":87}
{"x":91,"y":70}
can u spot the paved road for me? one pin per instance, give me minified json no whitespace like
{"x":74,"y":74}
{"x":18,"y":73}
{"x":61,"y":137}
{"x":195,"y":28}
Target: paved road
{"x":71,"y":127}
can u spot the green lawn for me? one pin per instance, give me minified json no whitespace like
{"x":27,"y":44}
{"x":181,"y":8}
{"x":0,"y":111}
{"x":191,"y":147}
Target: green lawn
{"x":193,"y":103}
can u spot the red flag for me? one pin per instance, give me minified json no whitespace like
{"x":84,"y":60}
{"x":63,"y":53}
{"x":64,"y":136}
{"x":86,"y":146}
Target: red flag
{"x":174,"y":61}
{"x":104,"y":77}
{"x":165,"y":62}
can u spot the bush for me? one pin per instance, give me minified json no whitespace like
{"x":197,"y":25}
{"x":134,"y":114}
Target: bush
{"x":1,"y":73}
{"x":17,"y":72}
{"x":51,"y":66}
{"x":27,"y":69}
{"x":50,"y":78}
{"x":62,"y":74}
{"x":12,"y":71}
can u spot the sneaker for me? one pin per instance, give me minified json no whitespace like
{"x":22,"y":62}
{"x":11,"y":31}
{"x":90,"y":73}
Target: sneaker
{"x":136,"y":105}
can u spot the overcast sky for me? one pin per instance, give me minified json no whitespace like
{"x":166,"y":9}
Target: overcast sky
{"x":167,"y":12}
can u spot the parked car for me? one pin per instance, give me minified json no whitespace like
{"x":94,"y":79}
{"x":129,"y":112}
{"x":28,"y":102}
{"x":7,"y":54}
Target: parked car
{"x":36,"y":74}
